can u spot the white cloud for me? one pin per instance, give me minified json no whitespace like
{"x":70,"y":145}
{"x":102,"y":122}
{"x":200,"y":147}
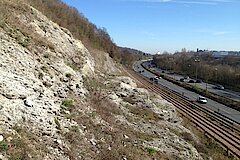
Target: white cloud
{"x":219,"y":33}
{"x":197,"y":2}
{"x":214,"y":32}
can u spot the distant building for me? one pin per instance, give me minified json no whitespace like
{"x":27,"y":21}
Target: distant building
{"x":219,"y":54}
{"x":234,"y":53}
{"x":200,"y":50}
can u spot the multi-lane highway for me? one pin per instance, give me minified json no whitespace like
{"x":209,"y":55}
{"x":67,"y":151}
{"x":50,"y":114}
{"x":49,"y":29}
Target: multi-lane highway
{"x":215,"y":106}
{"x":210,"y":87}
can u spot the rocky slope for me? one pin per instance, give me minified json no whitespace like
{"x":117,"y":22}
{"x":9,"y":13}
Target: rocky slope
{"x":58,"y":101}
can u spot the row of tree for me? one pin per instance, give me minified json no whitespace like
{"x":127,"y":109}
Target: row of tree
{"x":69,"y":17}
{"x":81,"y":28}
{"x":225,"y":70}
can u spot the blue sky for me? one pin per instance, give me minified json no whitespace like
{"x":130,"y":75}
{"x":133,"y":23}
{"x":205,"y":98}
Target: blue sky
{"x":166,"y":25}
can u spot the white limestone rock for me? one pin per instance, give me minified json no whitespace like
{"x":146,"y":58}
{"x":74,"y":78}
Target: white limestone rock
{"x":1,"y":138}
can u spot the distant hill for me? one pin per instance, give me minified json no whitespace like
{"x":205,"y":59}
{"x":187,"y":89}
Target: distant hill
{"x":133,"y":51}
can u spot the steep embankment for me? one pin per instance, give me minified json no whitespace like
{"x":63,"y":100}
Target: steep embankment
{"x":57,"y":101}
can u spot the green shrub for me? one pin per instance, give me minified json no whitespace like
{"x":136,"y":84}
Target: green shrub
{"x":3,"y":146}
{"x":68,"y":75}
{"x":46,"y":55}
{"x":40,"y":75}
{"x":74,"y":129}
{"x":57,"y":123}
{"x":196,"y":88}
{"x":150,"y":150}
{"x":67,"y":102}
{"x":44,"y":69}
{"x":73,"y":66}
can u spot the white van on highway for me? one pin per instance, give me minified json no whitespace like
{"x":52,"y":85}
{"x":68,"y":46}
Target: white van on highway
{"x":201,"y":99}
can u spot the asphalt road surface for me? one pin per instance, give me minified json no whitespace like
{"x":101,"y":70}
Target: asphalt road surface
{"x":215,"y":106}
{"x":210,"y":87}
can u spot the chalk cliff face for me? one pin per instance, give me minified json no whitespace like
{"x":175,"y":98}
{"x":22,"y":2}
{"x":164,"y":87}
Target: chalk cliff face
{"x":57,"y":102}
{"x":38,"y":80}
{"x":35,"y":80}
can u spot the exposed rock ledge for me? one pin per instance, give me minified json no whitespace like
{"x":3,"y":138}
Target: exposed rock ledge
{"x":35,"y":81}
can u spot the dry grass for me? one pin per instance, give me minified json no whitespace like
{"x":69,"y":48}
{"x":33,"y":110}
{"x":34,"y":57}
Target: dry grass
{"x":113,"y":140}
{"x":25,"y":145}
{"x":15,"y":28}
{"x":144,"y":113}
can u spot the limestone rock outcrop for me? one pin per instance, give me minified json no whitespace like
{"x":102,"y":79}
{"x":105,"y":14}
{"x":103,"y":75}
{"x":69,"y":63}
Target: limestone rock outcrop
{"x":35,"y":80}
{"x":58,"y":101}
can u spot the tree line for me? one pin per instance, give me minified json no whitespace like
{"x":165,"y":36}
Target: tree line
{"x":224,"y":71}
{"x":69,"y":17}
{"x":81,"y":28}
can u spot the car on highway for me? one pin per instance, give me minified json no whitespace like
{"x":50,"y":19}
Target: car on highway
{"x":202,"y":99}
{"x":198,"y":81}
{"x":160,"y":76}
{"x":181,"y":79}
{"x":154,"y":79}
{"x":191,"y":81}
{"x":186,"y":77}
{"x":218,"y":86}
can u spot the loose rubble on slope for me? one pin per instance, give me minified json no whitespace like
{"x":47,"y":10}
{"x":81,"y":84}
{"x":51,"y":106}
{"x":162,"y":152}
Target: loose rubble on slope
{"x":54,"y":104}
